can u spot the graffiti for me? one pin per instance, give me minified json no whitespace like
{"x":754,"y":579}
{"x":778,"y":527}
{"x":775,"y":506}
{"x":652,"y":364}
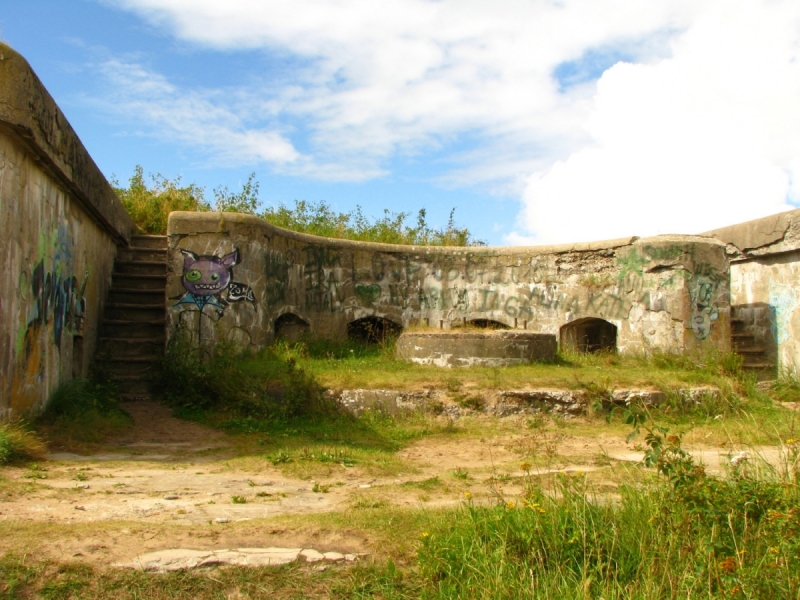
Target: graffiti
{"x":437,"y":298}
{"x":277,"y":280}
{"x":702,"y":290}
{"x":368,"y":293}
{"x":322,"y":291}
{"x":783,"y":298}
{"x":208,"y":283}
{"x":55,"y":299}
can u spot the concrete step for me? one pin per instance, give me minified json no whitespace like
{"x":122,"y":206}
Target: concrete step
{"x":142,"y":367}
{"x":133,"y":329}
{"x":126,"y":347}
{"x":142,"y":254}
{"x":140,"y":267}
{"x":132,"y":384}
{"x":149,"y":241}
{"x":139,"y":282}
{"x":120,"y":295}
{"x":135,"y":312}
{"x":755,"y":349}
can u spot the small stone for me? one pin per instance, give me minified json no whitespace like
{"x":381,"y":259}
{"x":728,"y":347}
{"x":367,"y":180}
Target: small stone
{"x":333,"y":556}
{"x":80,"y":508}
{"x":222,"y":520}
{"x":365,"y":486}
{"x":312,"y":555}
{"x":83,"y":486}
{"x":171,"y":497}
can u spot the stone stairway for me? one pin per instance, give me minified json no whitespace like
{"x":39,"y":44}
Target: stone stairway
{"x":132,"y":334}
{"x":755,"y":356}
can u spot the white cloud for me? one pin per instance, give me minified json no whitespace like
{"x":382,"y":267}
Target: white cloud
{"x":699,"y":129}
{"x":705,"y":138}
{"x":200,"y":119}
{"x":402,"y":77}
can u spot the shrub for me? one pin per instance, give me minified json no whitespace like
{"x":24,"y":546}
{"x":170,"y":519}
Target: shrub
{"x":82,"y":411}
{"x":18,"y":442}
{"x":225,"y":379}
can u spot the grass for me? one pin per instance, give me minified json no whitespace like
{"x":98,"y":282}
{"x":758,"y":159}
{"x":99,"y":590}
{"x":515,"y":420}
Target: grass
{"x":625,"y":531}
{"x":19,"y":443}
{"x":81,"y":414}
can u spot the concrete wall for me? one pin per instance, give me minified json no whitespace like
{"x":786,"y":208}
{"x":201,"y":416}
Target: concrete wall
{"x":60,"y":223}
{"x":666,"y":292}
{"x":765,"y":278}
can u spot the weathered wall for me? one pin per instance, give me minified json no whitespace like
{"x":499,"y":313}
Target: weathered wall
{"x":60,"y":223}
{"x":667,"y":292}
{"x":765,"y":272}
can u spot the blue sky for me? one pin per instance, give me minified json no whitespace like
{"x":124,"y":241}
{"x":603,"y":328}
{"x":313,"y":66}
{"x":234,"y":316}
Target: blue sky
{"x":537,"y":121}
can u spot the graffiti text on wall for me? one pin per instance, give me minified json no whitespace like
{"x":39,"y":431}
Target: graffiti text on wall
{"x":56,"y":299}
{"x":784,"y":299}
{"x":208,"y":281}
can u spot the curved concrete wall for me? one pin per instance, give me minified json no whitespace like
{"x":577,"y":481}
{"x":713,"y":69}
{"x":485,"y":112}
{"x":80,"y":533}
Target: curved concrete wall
{"x":667,"y":292}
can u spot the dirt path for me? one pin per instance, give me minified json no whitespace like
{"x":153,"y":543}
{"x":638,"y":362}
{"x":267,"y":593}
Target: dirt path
{"x":169,"y":483}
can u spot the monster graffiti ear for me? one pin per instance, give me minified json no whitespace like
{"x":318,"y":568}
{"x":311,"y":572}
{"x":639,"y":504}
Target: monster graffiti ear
{"x":189,"y":258}
{"x":232,"y":259}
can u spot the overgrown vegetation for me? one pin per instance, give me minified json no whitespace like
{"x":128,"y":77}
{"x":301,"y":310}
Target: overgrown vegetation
{"x":82,"y":412}
{"x":18,"y":442}
{"x":150,"y":204}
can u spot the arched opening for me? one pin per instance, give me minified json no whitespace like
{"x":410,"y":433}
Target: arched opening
{"x":290,"y":327}
{"x":373,"y":330}
{"x":487,"y":324}
{"x":589,"y":335}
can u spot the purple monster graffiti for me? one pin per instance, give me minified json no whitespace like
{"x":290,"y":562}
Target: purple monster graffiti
{"x":208,"y":282}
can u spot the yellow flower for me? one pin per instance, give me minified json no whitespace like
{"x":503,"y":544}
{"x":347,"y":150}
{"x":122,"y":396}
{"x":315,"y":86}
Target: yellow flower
{"x":510,"y":504}
{"x":425,"y":534}
{"x":467,"y":495}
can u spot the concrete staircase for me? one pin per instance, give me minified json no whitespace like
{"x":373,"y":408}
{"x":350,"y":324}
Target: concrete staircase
{"x":755,"y":356}
{"x":132,"y":333}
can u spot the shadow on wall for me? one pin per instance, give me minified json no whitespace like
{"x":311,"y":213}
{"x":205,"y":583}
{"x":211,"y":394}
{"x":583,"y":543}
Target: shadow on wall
{"x":589,"y":335}
{"x":290,"y":327}
{"x":373,"y":330}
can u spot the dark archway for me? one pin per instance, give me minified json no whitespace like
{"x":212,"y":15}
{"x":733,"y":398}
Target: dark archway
{"x":373,"y":330}
{"x":290,"y":327}
{"x":589,"y":335}
{"x":487,"y":324}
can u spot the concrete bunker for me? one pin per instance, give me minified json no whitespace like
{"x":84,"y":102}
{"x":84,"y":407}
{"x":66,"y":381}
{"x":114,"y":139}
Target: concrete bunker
{"x":290,"y":327}
{"x":488,"y":348}
{"x":373,"y":330}
{"x":487,"y":324}
{"x":589,"y":335}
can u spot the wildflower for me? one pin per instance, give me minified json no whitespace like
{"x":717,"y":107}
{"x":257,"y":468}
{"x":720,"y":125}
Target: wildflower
{"x":425,"y":534}
{"x":510,"y":505}
{"x":526,"y":466}
{"x":791,"y":441}
{"x":728,"y":565}
{"x":467,"y":495}
{"x":735,"y":460}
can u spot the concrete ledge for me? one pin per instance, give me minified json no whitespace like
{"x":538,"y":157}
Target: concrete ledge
{"x":476,"y":348}
{"x":507,"y":403}
{"x":31,"y":116}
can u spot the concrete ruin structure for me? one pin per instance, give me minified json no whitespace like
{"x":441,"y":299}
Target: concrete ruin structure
{"x":60,"y":225}
{"x":765,"y":290}
{"x":236,"y":278}
{"x":79,"y":284}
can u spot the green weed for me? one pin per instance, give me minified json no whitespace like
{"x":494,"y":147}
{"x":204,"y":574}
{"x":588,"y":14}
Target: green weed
{"x":81,"y":412}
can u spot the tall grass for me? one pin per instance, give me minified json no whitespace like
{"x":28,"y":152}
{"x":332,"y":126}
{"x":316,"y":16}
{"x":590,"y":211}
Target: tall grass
{"x":18,"y":442}
{"x":686,"y":534}
{"x":80,"y":412}
{"x":228,"y":381}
